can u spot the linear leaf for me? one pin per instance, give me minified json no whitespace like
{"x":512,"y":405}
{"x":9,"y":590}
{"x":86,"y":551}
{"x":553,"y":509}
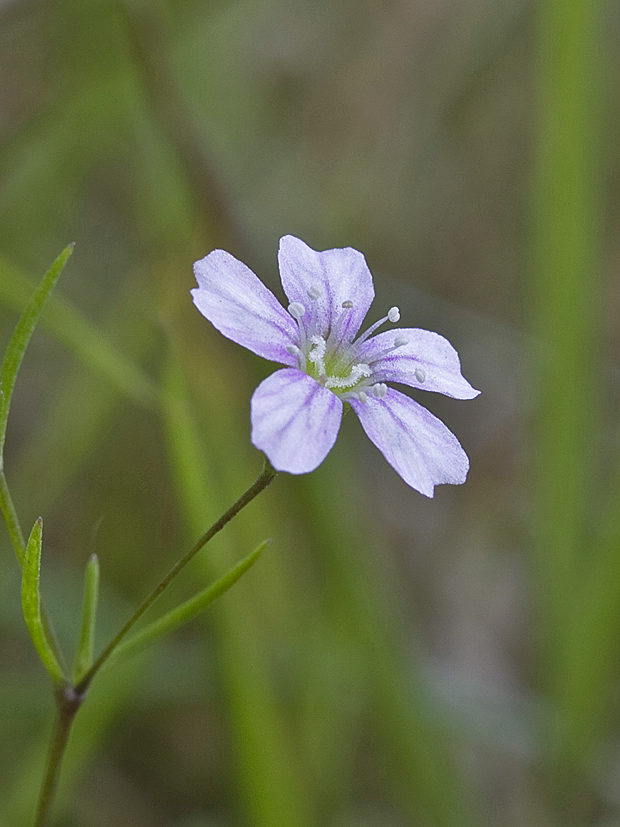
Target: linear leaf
{"x":186,"y":611}
{"x":21,"y":336}
{"x":84,"y":654}
{"x":31,"y":603}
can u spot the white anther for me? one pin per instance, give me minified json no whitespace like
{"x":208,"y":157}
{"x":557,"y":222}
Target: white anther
{"x":296,"y":309}
{"x":399,"y":341}
{"x":393,"y":314}
{"x":362,"y":396}
{"x":420,"y":375}
{"x":347,"y":305}
{"x":292,"y":349}
{"x":379,"y":391}
{"x":314,"y":292}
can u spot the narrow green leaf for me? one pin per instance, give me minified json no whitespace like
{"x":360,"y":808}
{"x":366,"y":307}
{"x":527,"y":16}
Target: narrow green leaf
{"x":84,"y":654}
{"x":186,"y":611}
{"x":31,"y":603}
{"x":21,"y":336}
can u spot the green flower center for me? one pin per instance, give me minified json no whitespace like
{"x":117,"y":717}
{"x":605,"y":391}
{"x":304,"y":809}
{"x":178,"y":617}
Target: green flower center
{"x":334,"y":370}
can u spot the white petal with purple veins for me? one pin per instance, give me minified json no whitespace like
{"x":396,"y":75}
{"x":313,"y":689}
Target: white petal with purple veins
{"x":295,"y":421}
{"x":239,"y":305}
{"x":331,"y":279}
{"x":415,"y":443}
{"x":427,"y":361}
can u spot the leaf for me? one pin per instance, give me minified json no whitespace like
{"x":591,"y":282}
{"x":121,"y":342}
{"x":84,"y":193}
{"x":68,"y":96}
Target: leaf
{"x":20,"y":338}
{"x":31,"y":603}
{"x":84,"y":654}
{"x":186,"y":611}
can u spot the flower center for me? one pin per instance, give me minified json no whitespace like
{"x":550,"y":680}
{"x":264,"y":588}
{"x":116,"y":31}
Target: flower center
{"x":332,"y":372}
{"x":331,"y":357}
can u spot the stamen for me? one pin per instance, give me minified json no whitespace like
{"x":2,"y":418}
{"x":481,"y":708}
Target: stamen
{"x":297,"y":310}
{"x":314,"y":291}
{"x":399,"y":341}
{"x":358,"y":394}
{"x":392,"y":316}
{"x":379,"y":391}
{"x":335,"y":338}
{"x":298,"y":352}
{"x":420,"y":375}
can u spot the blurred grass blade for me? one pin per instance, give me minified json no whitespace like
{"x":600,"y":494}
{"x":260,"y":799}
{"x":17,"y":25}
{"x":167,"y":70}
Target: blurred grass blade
{"x":31,"y":603}
{"x":567,"y":221}
{"x":186,"y":611}
{"x":21,"y":336}
{"x":84,"y":654}
{"x":92,"y":347}
{"x":567,"y":211}
{"x":427,"y":781}
{"x":271,"y":786}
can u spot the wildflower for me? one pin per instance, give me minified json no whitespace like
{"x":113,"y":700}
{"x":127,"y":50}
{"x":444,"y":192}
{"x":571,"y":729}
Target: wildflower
{"x":296,"y":412}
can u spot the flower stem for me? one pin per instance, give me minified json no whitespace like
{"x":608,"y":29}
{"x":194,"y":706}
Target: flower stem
{"x":68,"y":702}
{"x":69,"y":698}
{"x":267,"y":475}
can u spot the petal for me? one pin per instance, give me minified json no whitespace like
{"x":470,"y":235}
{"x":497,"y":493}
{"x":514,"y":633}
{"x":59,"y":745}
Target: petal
{"x":425,"y":351}
{"x":294,"y":421}
{"x":239,"y":305}
{"x":415,"y":443}
{"x":341,"y":275}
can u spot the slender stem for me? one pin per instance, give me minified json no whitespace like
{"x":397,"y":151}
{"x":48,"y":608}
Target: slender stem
{"x":267,"y":475}
{"x":67,"y":704}
{"x":12,"y":520}
{"x":69,"y":698}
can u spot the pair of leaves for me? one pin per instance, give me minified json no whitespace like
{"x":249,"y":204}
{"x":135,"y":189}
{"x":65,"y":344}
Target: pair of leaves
{"x":172,"y":620}
{"x":31,"y":608}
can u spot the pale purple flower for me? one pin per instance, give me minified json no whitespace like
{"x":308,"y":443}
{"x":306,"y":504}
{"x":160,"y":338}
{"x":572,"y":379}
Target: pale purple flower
{"x":296,"y":412}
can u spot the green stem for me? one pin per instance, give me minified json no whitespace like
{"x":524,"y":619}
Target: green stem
{"x":68,"y":702}
{"x":267,"y":475}
{"x":69,"y":698}
{"x":12,"y":521}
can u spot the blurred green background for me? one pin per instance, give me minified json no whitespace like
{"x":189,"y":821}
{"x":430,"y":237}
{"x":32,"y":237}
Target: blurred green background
{"x":391,"y":660}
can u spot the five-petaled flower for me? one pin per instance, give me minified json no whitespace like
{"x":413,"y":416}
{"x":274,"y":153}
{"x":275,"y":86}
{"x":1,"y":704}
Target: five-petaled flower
{"x":296,"y":412}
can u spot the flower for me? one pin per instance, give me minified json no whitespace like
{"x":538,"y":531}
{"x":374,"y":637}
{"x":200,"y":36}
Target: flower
{"x":296,"y":412}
